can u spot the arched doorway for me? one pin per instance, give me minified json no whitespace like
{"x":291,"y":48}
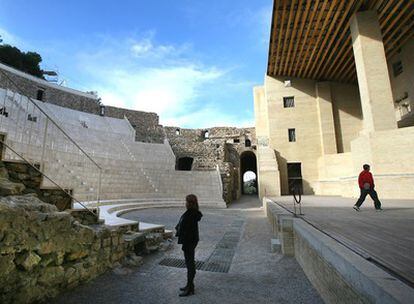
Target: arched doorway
{"x":248,"y":173}
{"x":184,"y":163}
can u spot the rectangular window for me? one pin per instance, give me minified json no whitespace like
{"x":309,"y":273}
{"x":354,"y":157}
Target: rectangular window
{"x":236,"y":140}
{"x":292,"y":135}
{"x":40,"y":93}
{"x":32,"y":118}
{"x":397,"y":68}
{"x":289,"y":102}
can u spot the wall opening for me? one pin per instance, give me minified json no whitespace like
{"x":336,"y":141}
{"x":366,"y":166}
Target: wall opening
{"x":39,"y":94}
{"x":185,"y":163}
{"x":249,"y":182}
{"x":247,"y":143}
{"x":295,"y":177}
{"x":248,"y":172}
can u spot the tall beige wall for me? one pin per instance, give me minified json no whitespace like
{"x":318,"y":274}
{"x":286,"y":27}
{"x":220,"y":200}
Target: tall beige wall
{"x":324,"y":104}
{"x":403,"y":84}
{"x":372,"y":72}
{"x":261,"y":118}
{"x":267,"y":166}
{"x":304,"y":118}
{"x":347,"y":114}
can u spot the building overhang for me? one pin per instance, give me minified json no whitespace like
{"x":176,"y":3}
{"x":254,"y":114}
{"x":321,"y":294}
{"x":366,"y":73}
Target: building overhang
{"x":312,"y":38}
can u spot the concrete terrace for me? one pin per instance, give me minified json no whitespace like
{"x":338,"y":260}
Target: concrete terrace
{"x":387,"y":237}
{"x":255,"y":276}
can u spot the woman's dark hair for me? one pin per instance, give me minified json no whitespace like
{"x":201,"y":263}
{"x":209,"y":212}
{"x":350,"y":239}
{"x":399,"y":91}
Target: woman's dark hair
{"x":191,"y":202}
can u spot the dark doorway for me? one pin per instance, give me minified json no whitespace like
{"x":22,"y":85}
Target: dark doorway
{"x":40,"y":93}
{"x":248,"y":173}
{"x":185,"y":163}
{"x":295,"y":177}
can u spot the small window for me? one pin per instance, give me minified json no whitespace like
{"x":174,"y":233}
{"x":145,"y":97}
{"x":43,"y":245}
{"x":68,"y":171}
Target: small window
{"x":289,"y":102}
{"x":177,"y":132}
{"x":292,"y":135}
{"x":40,"y":94}
{"x":4,"y":112}
{"x":397,"y":68}
{"x":32,"y":118}
{"x":247,"y":143}
{"x":236,"y":140}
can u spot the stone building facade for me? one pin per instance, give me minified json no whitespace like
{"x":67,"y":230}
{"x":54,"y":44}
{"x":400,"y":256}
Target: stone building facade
{"x":145,"y":124}
{"x":316,"y":133}
{"x":211,"y":149}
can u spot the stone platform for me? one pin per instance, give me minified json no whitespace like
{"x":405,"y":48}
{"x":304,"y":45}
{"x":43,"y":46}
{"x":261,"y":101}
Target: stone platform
{"x":386,"y":238}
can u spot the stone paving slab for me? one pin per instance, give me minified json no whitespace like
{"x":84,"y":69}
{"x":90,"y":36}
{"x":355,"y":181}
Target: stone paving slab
{"x":255,"y":276}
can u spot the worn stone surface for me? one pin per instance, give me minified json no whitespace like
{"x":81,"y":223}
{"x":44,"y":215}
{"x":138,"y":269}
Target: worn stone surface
{"x":256,"y":275}
{"x":44,"y":251}
{"x":23,"y":178}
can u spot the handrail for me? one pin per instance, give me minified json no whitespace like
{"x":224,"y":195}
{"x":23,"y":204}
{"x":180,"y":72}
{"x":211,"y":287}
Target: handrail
{"x":47,"y":115}
{"x":64,"y":135}
{"x":34,"y":167}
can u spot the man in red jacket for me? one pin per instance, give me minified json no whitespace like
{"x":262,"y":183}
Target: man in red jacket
{"x":366,"y":184}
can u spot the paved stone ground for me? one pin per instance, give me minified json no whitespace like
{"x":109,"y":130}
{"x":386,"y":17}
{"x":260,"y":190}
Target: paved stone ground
{"x":256,"y":275}
{"x":387,"y":236}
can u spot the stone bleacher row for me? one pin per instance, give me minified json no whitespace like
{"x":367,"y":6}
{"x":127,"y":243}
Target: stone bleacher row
{"x":130,"y":170}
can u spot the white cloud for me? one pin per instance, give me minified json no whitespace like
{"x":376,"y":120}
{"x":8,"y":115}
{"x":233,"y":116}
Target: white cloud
{"x":173,"y":86}
{"x":142,"y":74}
{"x":166,"y":91}
{"x":208,"y":117}
{"x":142,"y":47}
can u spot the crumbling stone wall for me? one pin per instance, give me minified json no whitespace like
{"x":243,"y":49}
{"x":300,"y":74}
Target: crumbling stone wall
{"x":223,"y":147}
{"x":19,"y":172}
{"x":145,"y":124}
{"x":55,"y":94}
{"x":43,"y":251}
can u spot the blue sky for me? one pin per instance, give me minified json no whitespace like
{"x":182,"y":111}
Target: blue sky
{"x":193,"y":62}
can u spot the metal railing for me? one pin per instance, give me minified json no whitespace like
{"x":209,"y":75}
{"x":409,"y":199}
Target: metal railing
{"x":33,"y":136}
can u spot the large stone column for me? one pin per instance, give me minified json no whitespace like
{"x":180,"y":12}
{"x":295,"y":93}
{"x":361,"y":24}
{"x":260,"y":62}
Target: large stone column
{"x":371,"y":65}
{"x":326,"y":120}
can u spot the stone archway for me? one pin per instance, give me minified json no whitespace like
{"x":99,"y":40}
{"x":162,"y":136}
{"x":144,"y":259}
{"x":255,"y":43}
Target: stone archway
{"x":248,"y":164}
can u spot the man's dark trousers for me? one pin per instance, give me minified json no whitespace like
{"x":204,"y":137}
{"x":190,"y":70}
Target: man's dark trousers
{"x":373,"y":194}
{"x":189,"y":253}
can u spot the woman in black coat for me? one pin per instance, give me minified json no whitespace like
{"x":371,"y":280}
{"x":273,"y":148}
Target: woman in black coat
{"x":187,"y":232}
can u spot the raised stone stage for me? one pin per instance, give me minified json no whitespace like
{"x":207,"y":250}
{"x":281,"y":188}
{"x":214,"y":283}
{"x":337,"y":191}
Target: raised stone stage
{"x":385,"y":238}
{"x":110,"y":211}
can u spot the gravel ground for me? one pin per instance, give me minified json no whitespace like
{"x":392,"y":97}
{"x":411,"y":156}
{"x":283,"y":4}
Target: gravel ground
{"x":256,"y":275}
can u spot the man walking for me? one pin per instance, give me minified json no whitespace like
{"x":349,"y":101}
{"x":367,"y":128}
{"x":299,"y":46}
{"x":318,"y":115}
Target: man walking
{"x":366,"y":184}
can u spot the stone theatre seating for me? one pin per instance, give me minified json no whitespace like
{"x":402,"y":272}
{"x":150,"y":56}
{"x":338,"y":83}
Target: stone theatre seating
{"x":132,"y":172}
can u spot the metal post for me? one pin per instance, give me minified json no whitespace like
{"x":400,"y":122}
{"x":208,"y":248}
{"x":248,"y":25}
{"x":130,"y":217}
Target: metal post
{"x":99,"y":191}
{"x":42,"y":163}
